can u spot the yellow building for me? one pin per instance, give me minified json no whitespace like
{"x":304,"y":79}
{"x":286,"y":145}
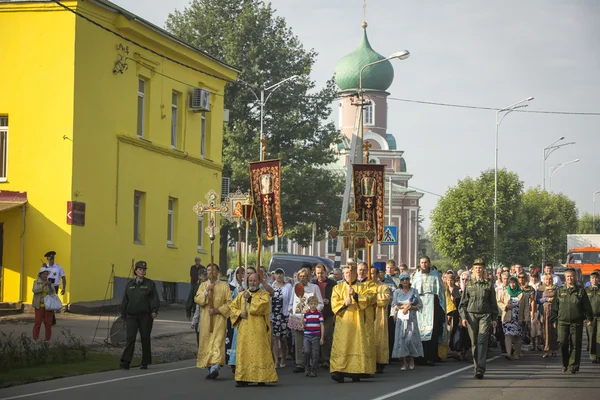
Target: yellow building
{"x":128,"y":127}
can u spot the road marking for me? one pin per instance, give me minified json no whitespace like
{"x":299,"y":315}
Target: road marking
{"x":172,"y":322}
{"x":22,"y":396}
{"x":437,"y":378}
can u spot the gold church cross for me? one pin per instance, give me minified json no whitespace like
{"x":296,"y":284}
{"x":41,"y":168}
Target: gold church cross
{"x":353,"y":230}
{"x":366,"y":146}
{"x":211,"y":209}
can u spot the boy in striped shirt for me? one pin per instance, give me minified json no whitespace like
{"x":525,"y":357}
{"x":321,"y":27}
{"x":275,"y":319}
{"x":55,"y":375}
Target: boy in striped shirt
{"x":314,"y":333}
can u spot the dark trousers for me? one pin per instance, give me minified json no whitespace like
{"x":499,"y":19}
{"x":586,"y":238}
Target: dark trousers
{"x":594,"y":339}
{"x":430,"y":348}
{"x":500,"y":334}
{"x":391,"y":333}
{"x":54,"y":314}
{"x":570,"y":341}
{"x":143,"y":324}
{"x":311,"y":352}
{"x":479,"y":330}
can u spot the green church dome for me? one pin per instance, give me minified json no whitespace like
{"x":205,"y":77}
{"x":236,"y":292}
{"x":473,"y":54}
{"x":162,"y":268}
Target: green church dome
{"x":378,"y":77}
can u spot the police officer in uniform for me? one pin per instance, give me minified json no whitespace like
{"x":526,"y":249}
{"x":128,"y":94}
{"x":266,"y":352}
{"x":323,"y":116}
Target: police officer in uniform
{"x":478,"y":311}
{"x":139,"y":308}
{"x":570,"y":308}
{"x":593,"y":292}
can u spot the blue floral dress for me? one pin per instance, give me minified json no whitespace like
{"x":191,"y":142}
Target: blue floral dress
{"x":513,"y":328}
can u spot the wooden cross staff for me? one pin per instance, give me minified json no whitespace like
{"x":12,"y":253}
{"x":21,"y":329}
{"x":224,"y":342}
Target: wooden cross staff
{"x":211,"y":209}
{"x":263,"y":151}
{"x":353,"y":230}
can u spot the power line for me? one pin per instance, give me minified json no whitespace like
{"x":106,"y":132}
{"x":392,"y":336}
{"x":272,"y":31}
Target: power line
{"x":433,"y":103}
{"x":77,"y":13}
{"x":424,"y":191}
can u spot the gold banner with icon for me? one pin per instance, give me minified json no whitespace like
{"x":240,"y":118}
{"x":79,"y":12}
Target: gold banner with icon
{"x":369,"y":201}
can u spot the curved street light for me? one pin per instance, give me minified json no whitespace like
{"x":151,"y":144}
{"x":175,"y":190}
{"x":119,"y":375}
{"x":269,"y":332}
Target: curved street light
{"x":262,"y":101}
{"x":506,"y":111}
{"x":549,"y":150}
{"x":552,"y":170}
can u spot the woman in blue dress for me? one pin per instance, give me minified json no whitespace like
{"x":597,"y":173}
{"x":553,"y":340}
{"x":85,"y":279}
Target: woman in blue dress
{"x":405,"y":304}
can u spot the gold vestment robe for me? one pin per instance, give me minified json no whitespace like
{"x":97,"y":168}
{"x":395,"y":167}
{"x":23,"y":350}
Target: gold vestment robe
{"x":211,"y":350}
{"x":254,"y":360}
{"x":352,"y":351}
{"x":382,"y":347}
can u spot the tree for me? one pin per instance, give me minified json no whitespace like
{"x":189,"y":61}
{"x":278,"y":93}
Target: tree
{"x":247,"y":34}
{"x":463,"y":220}
{"x":547,"y":219}
{"x":588,"y":224}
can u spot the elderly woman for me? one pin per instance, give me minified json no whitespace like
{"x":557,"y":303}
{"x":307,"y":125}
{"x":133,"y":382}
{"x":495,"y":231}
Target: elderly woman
{"x":41,"y":288}
{"x":459,"y":336}
{"x":508,"y":302}
{"x":547,"y":293}
{"x":404,"y":306}
{"x":280,"y":305}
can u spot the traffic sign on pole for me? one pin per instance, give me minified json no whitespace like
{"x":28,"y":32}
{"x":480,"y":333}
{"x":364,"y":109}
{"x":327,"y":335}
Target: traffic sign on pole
{"x":390,"y":235}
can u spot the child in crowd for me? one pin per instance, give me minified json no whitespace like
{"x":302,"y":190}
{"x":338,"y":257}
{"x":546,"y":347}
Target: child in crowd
{"x":314,"y":333}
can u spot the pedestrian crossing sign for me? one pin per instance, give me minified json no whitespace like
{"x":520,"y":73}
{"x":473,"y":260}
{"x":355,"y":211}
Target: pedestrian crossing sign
{"x":390,"y":235}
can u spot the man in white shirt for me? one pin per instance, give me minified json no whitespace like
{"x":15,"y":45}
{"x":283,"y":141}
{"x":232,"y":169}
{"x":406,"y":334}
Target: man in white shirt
{"x":549,"y":269}
{"x":57,"y":274}
{"x":299,"y":307}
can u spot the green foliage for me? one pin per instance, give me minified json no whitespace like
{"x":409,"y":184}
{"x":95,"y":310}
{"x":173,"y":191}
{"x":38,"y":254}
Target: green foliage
{"x":587,"y":224}
{"x":532,"y":225}
{"x":462,"y":223}
{"x":444,"y":265}
{"x":248,"y":35}
{"x":232,"y":259}
{"x":23,"y":351}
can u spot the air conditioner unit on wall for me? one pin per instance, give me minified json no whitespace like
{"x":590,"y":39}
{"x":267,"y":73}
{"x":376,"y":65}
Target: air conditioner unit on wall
{"x":200,"y":100}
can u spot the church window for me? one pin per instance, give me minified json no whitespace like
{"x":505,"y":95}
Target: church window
{"x":369,"y":114}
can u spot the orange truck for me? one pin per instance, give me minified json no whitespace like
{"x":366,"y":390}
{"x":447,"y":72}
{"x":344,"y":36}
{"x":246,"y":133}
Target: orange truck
{"x":584,"y":252}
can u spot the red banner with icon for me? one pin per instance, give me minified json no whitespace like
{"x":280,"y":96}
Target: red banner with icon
{"x":265,"y":178}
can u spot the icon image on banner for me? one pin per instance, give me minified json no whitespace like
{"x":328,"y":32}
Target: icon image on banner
{"x":390,"y":235}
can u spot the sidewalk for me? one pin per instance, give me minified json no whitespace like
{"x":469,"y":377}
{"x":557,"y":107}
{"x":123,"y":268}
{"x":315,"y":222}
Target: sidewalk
{"x":171,"y":321}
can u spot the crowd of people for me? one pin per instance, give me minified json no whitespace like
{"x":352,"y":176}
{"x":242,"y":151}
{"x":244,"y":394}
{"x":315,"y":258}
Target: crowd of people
{"x":354,"y":321}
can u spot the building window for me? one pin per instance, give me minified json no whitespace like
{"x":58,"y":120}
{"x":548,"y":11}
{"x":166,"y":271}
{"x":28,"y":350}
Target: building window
{"x":141,"y":111}
{"x":138,"y":216}
{"x":282,"y":243}
{"x":171,"y":221}
{"x":203,"y":135}
{"x":3,"y":147}
{"x":369,"y":114}
{"x":174,"y":111}
{"x":331,"y":246}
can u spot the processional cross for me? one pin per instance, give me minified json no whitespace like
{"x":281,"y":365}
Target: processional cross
{"x":353,"y":230}
{"x":211,"y":209}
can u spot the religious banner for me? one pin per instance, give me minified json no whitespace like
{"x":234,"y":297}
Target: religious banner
{"x":266,"y":190}
{"x":369,"y":192}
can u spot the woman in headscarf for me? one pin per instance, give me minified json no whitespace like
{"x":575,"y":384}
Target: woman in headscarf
{"x":450,"y":287}
{"x":459,"y":336}
{"x":404,"y":306}
{"x":508,"y":302}
{"x":547,"y":293}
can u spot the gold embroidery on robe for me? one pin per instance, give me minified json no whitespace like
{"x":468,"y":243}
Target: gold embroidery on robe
{"x":211,"y":350}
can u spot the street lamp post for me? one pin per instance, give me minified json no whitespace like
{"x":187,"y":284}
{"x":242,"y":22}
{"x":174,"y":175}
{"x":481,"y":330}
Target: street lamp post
{"x":596,"y":193}
{"x":547,"y":151}
{"x":401,"y":55}
{"x":506,"y":111}
{"x":262,"y":101}
{"x":552,"y":170}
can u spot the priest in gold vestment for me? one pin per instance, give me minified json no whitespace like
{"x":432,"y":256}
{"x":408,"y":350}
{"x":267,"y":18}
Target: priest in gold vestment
{"x":382,"y":347}
{"x":352,"y":353}
{"x":213,"y":297}
{"x":250,"y":315}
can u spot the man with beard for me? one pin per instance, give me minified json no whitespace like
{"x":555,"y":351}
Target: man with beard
{"x":428,"y":283}
{"x":249,"y":313}
{"x":352,"y":354}
{"x":214,"y":297}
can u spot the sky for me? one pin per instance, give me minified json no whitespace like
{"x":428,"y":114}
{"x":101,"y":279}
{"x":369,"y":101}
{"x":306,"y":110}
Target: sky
{"x":468,"y":52}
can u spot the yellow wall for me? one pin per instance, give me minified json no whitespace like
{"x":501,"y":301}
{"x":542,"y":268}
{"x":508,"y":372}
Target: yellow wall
{"x":60,"y":82}
{"x":36,"y":81}
{"x":111,"y":162}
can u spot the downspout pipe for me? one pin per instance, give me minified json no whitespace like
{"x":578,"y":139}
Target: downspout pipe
{"x":22,"y":261}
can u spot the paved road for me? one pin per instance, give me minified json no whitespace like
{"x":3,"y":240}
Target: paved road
{"x":530,"y":378}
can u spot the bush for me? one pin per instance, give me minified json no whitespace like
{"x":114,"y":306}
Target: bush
{"x":22,"y":351}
